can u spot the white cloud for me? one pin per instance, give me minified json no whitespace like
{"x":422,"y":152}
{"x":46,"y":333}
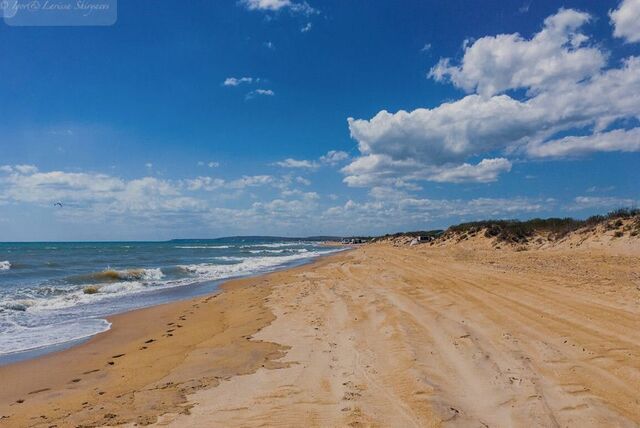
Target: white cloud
{"x":306,"y":28}
{"x":601,"y":203}
{"x":396,"y":209}
{"x":268,"y":92}
{"x":271,"y":5}
{"x":626,"y":20}
{"x":436,"y":144}
{"x":99,"y":193}
{"x":486,"y":171}
{"x":269,"y":45}
{"x":237,"y":81}
{"x":557,"y":54}
{"x":251,"y":181}
{"x":613,"y":141}
{"x":426,"y":47}
{"x":295,"y":163}
{"x":276,"y":5}
{"x":205,"y":183}
{"x":260,"y":92}
{"x":333,"y":157}
{"x":304,"y":181}
{"x":25,"y":169}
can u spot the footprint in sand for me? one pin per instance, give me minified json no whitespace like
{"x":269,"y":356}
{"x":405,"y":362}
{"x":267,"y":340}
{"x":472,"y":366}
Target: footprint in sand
{"x":37,"y":391}
{"x":76,"y":380}
{"x":118,"y":356}
{"x":150,"y":341}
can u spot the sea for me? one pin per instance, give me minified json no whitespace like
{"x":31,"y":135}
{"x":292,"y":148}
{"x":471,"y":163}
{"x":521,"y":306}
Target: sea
{"x":54,"y":295}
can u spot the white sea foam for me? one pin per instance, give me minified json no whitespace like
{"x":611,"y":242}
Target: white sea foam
{"x":5,"y":265}
{"x":18,"y":338}
{"x":202,"y":246}
{"x":210,"y":271}
{"x":273,"y":245}
{"x":287,"y":250}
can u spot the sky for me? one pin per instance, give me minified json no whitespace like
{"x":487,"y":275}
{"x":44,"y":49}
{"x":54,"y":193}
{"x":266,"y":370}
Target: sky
{"x":341,"y":117}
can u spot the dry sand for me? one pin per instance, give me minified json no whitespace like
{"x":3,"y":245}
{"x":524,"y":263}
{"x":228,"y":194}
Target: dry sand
{"x":382,"y":336}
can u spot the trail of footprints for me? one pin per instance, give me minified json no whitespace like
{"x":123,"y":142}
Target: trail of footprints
{"x":172,"y":327}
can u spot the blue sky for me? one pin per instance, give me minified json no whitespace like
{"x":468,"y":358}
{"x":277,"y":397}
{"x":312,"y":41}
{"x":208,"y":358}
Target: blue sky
{"x":334,"y":117}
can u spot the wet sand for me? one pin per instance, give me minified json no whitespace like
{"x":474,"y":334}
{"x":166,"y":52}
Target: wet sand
{"x":378,"y":336}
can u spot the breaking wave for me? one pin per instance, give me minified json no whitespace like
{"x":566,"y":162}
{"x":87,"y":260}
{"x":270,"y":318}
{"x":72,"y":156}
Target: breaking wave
{"x":248,"y":266}
{"x":5,"y":265}
{"x":112,"y":275}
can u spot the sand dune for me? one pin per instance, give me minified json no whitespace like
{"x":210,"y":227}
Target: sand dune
{"x":378,"y":336}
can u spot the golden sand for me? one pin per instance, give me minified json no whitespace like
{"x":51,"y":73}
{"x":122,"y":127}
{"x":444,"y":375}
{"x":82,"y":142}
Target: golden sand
{"x":377,"y":336}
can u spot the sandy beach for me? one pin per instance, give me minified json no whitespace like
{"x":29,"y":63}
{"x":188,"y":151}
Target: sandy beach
{"x":377,"y":336}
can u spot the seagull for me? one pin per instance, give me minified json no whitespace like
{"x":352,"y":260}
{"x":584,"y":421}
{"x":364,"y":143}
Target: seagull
{"x":58,"y":204}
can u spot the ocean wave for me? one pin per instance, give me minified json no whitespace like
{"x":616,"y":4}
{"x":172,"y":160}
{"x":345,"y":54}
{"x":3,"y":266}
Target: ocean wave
{"x":203,"y":246}
{"x":46,"y":299}
{"x":273,"y":245}
{"x":5,"y":265}
{"x":287,"y":250}
{"x":245,"y":266}
{"x":113,"y":275}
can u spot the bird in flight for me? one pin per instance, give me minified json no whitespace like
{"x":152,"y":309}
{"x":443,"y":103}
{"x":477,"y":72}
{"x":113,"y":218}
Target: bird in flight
{"x":58,"y":204}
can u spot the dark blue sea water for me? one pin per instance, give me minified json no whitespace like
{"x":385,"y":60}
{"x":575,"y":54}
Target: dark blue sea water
{"x":52,"y":294}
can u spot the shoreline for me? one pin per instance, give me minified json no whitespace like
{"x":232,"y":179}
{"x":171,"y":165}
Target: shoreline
{"x":125,"y":357}
{"x":212,"y":287}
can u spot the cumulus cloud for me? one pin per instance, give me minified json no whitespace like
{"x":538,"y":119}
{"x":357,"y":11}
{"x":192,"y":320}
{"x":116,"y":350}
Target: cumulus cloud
{"x":626,"y":20}
{"x":486,"y":171}
{"x":334,"y":157}
{"x":617,"y":140}
{"x":436,"y":144}
{"x":557,"y":54}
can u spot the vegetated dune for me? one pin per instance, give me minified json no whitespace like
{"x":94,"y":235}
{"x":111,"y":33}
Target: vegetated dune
{"x":618,"y":231}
